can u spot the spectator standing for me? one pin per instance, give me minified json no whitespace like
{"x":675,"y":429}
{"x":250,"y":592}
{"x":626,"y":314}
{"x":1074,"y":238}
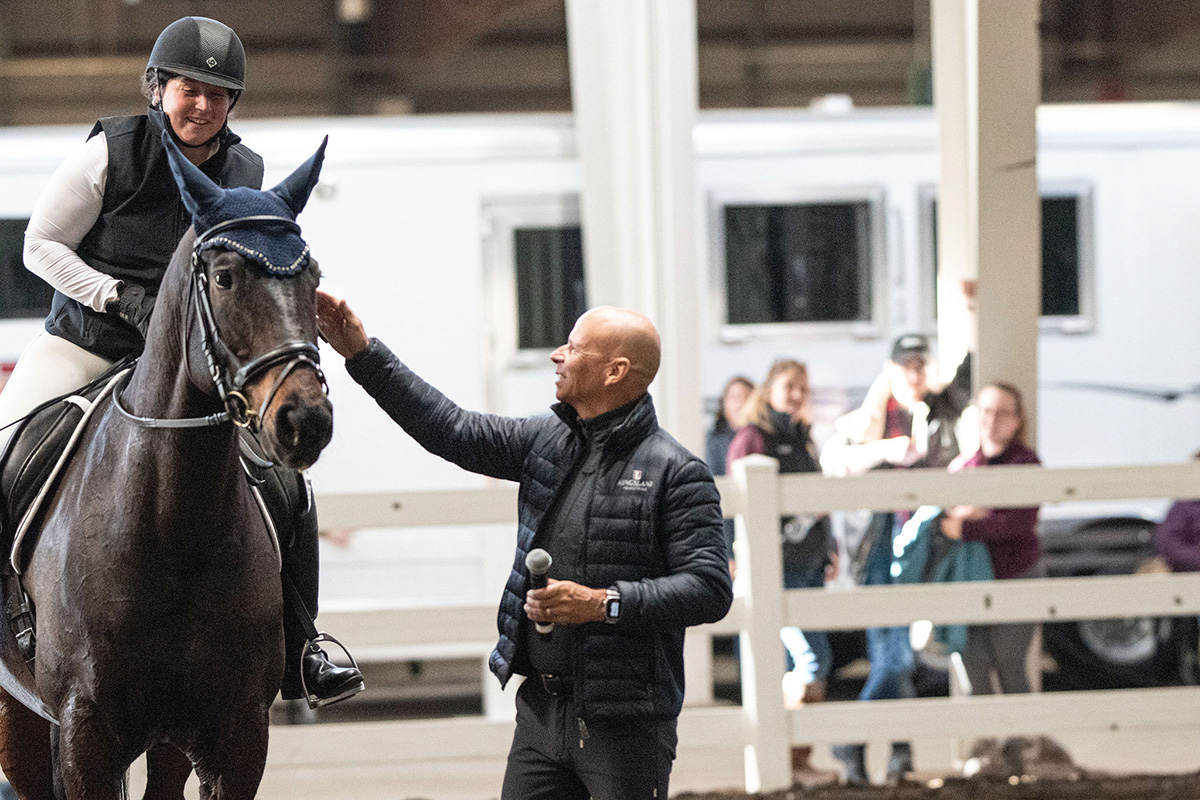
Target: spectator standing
{"x":716,"y":444}
{"x":777,"y":424}
{"x":996,"y":656}
{"x":902,"y":423}
{"x":1177,"y":537}
{"x":725,"y":422}
{"x":632,"y":521}
{"x":1010,"y":535}
{"x":1177,"y":546}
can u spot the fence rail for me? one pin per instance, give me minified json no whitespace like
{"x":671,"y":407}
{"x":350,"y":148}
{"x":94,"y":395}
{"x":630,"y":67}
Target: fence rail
{"x":757,"y":496}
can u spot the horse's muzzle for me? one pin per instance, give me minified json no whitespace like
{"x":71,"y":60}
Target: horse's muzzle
{"x":299,"y":429}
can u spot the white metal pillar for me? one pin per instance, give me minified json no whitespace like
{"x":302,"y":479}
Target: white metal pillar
{"x":987,"y":84}
{"x":634,"y":91}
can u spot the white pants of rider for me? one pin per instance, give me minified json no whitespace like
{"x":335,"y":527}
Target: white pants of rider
{"x":49,"y":367}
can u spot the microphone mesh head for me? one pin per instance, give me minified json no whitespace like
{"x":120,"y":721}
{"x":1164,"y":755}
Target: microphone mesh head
{"x":538,"y":561}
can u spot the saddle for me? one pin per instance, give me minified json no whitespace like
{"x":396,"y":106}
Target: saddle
{"x":36,"y":453}
{"x":43,"y":444}
{"x":30,"y":465}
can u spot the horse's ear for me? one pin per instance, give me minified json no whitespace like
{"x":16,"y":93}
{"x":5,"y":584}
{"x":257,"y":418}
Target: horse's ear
{"x":295,"y":188}
{"x":199,"y":191}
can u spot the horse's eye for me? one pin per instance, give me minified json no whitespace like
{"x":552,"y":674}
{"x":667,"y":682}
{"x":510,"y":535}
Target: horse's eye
{"x":223,"y":279}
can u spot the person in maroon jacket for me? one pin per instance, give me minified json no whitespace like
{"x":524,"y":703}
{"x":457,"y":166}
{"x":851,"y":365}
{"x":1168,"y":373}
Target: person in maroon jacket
{"x":1010,"y":535}
{"x":1177,"y":537}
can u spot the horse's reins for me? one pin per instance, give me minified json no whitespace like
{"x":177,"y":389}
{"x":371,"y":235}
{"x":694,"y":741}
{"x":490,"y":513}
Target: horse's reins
{"x":231,"y":390}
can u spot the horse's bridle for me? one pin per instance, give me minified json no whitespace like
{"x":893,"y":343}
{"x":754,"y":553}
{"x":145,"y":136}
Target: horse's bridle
{"x":231,"y":388}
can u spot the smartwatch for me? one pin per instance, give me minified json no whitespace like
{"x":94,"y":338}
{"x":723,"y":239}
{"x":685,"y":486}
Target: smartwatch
{"x":612,"y":605}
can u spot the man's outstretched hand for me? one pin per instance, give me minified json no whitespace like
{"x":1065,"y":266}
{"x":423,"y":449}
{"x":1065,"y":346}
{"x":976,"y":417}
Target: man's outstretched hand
{"x":340,"y":326}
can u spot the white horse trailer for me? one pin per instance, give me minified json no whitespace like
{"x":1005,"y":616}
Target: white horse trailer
{"x":816,"y":242}
{"x":457,"y":239}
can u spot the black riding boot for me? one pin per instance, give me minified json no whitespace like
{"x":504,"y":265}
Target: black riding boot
{"x":309,"y":673}
{"x":286,"y":493}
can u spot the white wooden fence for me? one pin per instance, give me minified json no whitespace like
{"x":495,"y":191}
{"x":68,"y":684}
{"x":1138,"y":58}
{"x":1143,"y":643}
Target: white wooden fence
{"x":761,"y":728}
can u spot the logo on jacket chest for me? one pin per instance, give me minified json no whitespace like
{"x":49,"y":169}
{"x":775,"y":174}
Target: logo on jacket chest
{"x":635,"y":483}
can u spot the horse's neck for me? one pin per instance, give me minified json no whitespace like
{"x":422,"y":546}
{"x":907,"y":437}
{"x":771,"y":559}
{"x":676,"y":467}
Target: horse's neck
{"x":205,"y":459}
{"x":161,"y":385}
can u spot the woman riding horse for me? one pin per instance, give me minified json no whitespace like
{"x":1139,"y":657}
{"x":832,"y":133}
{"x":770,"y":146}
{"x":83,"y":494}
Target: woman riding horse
{"x":153,"y":555}
{"x":102,"y":234}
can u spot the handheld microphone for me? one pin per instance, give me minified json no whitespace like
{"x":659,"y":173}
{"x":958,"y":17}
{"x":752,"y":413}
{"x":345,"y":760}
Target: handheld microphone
{"x":538,"y":563}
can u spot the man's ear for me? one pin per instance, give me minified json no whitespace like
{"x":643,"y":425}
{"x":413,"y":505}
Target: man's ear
{"x":616,"y":371}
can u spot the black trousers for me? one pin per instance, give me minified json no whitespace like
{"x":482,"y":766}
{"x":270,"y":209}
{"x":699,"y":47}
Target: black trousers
{"x":301,"y":563}
{"x":554,"y":757}
{"x":287,"y":496}
{"x":299,"y":544}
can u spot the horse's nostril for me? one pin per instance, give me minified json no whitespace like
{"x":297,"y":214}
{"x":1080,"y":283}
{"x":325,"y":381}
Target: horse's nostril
{"x":287,"y":428}
{"x":304,"y":426}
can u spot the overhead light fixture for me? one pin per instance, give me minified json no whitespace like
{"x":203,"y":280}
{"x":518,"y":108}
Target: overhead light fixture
{"x":350,"y":11}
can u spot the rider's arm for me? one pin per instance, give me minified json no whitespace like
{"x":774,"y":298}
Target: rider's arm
{"x":67,"y":209}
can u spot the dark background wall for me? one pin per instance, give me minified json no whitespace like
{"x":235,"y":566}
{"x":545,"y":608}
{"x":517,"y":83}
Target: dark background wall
{"x":69,"y":61}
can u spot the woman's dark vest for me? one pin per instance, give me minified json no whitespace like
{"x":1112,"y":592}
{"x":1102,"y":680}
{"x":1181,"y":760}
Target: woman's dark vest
{"x":140,"y":224}
{"x":788,"y":444}
{"x":805,"y":537}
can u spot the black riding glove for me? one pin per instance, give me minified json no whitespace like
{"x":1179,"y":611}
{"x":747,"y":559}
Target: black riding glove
{"x":132,"y":305}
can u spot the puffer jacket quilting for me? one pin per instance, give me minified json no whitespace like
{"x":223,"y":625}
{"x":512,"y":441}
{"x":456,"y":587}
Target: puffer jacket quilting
{"x":654,"y":531}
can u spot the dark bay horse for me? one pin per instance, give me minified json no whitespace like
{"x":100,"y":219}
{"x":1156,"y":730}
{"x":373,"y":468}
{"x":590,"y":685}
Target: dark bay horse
{"x":155,"y":578}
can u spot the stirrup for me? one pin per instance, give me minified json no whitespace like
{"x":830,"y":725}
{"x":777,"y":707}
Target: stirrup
{"x":313,"y":701}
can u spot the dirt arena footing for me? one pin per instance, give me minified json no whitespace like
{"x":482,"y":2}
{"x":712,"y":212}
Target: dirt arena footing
{"x":1085,"y":787}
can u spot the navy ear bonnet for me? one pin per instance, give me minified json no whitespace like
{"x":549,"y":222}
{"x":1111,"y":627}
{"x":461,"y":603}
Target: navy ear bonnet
{"x":276,"y":247}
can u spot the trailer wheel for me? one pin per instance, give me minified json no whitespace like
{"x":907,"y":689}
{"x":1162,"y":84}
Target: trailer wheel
{"x":1115,"y":653}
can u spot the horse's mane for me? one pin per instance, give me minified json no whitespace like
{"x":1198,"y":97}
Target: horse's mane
{"x":171,"y":307}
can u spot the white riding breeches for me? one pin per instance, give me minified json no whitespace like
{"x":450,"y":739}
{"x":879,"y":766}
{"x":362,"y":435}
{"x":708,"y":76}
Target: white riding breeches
{"x":49,"y":367}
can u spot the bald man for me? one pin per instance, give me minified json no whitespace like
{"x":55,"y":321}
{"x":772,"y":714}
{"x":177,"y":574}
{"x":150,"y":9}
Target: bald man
{"x":632,"y":522}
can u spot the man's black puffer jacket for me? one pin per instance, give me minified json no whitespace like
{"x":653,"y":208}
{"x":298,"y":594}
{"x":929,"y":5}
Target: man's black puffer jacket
{"x":654,"y":532}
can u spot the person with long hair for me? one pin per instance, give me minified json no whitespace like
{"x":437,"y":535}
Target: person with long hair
{"x":1010,"y":535}
{"x":776,"y":421}
{"x":996,"y":656}
{"x":716,"y":443}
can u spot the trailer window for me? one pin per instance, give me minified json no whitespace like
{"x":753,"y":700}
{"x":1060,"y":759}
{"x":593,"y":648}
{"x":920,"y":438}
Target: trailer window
{"x":1060,"y":256}
{"x":803,"y":262}
{"x":550,"y":288}
{"x":797,"y":263}
{"x":533,"y":291}
{"x":22,"y":294}
{"x":1066,"y":257}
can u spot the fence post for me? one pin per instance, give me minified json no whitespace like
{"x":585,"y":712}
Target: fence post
{"x":760,"y":571}
{"x":499,"y":705}
{"x":697,"y":668}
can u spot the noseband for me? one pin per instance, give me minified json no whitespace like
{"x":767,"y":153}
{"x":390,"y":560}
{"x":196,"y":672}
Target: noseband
{"x":232,"y":379}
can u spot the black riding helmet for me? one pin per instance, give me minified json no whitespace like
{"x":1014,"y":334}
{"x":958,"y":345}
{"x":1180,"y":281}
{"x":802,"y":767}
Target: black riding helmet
{"x":202,"y":49}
